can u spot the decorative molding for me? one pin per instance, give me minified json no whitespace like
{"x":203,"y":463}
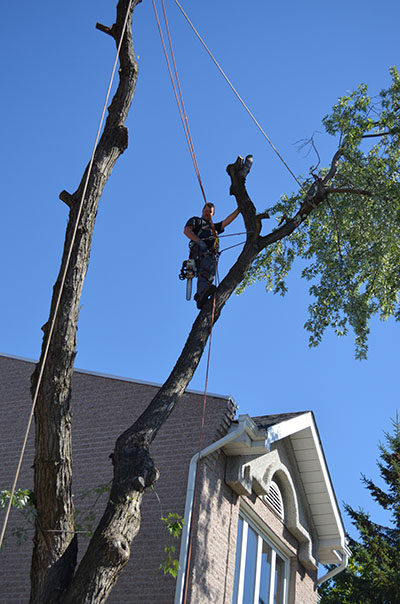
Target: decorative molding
{"x":246,"y":476}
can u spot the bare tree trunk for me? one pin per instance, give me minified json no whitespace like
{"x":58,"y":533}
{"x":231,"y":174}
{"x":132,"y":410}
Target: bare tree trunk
{"x":55,"y":546}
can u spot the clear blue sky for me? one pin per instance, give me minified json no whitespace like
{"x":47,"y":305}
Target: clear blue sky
{"x":290,"y":62}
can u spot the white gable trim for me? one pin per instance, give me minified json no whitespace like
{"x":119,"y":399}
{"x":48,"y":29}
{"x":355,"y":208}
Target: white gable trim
{"x":303,"y":435}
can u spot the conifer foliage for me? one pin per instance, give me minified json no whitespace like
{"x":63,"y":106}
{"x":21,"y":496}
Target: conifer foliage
{"x":373,"y":575}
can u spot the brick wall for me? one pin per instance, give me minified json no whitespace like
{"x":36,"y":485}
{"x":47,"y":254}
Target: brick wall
{"x":213,"y":560}
{"x":102,"y":408}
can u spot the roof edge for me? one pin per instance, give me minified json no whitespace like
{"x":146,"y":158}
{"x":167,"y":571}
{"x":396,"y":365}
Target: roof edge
{"x":111,"y":376}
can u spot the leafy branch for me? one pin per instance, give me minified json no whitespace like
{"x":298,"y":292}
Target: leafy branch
{"x":174,"y":524}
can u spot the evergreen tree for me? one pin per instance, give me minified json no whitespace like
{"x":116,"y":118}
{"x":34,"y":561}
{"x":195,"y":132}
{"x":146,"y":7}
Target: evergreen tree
{"x":373,"y":574}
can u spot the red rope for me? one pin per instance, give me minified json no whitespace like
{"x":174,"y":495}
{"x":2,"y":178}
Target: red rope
{"x":185,"y":123}
{"x":178,"y":97}
{"x":189,"y":555}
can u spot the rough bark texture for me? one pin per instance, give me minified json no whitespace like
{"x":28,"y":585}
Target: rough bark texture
{"x":108,"y":551}
{"x":55,"y":545}
{"x":53,"y":576}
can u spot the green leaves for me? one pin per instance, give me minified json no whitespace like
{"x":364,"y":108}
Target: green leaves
{"x":21,"y":498}
{"x":24,"y":501}
{"x":350,"y":243}
{"x":170,"y":565}
{"x":174,"y":524}
{"x":373,"y":575}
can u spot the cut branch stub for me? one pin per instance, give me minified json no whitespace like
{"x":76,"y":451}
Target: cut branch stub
{"x":66,"y":198}
{"x":238,"y":172}
{"x":105,"y":29}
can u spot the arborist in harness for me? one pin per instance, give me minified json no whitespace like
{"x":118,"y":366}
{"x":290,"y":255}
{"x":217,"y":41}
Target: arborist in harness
{"x":203,"y":235}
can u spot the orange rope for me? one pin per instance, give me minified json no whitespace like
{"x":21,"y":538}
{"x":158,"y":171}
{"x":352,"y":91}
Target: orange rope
{"x":185,"y":123}
{"x":237,"y":94}
{"x":178,"y":94}
{"x":189,"y":555}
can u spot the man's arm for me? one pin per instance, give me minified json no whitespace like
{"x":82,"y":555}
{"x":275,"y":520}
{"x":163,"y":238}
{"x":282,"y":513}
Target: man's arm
{"x":188,"y":231}
{"x":230,"y":218}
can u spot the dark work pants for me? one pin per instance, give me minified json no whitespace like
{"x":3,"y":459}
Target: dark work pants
{"x":205,"y":264}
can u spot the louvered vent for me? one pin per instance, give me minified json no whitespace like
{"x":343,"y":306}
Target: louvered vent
{"x":274,"y":499}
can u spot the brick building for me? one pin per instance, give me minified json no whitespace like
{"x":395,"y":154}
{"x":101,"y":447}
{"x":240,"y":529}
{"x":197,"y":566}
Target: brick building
{"x":266,"y":514}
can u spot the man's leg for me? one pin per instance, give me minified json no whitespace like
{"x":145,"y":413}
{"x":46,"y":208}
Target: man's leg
{"x":205,"y":277}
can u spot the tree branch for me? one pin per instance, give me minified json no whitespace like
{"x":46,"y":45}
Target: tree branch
{"x":334,"y":165}
{"x":349,"y":190}
{"x":54,"y":558}
{"x":133,"y":467}
{"x":247,"y":209}
{"x":339,"y":246}
{"x":105,"y":29}
{"x":66,"y":198}
{"x":378,"y":134}
{"x":315,"y":195}
{"x":263,"y":215}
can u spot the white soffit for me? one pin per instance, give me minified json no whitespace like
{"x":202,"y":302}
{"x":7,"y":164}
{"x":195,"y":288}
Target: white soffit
{"x":310,"y":459}
{"x":315,"y":477}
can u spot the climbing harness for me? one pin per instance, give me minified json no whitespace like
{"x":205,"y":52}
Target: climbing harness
{"x":189,"y":268}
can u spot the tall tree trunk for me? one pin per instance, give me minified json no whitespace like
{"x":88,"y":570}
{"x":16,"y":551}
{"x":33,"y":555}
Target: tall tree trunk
{"x":55,"y":546}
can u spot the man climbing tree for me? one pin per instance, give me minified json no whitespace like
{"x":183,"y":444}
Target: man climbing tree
{"x":344,"y":221}
{"x":203,"y":235}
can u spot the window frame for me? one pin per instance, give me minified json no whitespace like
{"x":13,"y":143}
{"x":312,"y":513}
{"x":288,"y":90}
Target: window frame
{"x":262,"y":535}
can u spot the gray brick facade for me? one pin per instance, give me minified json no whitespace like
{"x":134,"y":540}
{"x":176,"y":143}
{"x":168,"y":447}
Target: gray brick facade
{"x":104,"y":406}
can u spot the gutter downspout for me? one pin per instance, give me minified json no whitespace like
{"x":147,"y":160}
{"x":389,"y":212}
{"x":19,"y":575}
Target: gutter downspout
{"x":346,"y":553}
{"x":189,"y":503}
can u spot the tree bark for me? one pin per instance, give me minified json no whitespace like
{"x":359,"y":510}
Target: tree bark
{"x":109,"y":549}
{"x":55,"y":544}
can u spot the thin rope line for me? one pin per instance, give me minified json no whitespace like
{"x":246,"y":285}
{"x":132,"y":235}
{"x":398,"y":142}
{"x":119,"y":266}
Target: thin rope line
{"x":181,"y":98}
{"x":173,"y":83}
{"x":180,"y":103}
{"x":233,"y":234}
{"x":51,"y":330}
{"x":231,"y":246}
{"x":189,"y":555}
{"x":237,"y":94}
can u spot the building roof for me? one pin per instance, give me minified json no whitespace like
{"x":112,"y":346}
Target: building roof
{"x":265,"y":421}
{"x":301,"y":431}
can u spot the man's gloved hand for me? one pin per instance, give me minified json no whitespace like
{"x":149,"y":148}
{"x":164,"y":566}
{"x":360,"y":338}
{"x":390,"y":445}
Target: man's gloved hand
{"x":202,"y":246}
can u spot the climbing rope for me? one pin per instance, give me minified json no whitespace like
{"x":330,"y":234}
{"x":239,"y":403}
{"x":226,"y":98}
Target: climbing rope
{"x":189,"y":554}
{"x":63,"y":278}
{"x":237,"y":94}
{"x":234,"y":234}
{"x":178,"y":92}
{"x":232,"y":246}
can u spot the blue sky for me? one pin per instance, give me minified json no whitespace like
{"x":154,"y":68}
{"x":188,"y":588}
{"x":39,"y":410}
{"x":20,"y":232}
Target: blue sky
{"x":290,"y":62}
